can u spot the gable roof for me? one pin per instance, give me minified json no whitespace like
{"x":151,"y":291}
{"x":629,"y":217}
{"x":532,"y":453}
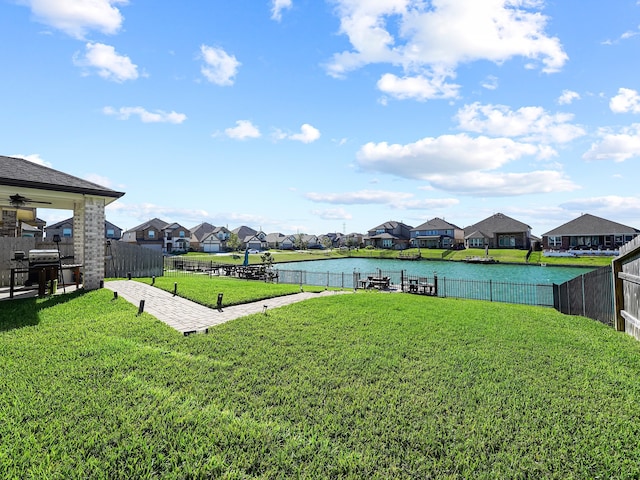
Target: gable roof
{"x":18,"y":172}
{"x":244,"y":231}
{"x":199,"y":231}
{"x":587,"y":224}
{"x":436,"y":224}
{"x":70,"y":221}
{"x":153,"y":223}
{"x":498,"y":223}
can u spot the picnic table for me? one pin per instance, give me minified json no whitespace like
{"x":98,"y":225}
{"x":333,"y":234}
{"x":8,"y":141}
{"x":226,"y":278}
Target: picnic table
{"x":376,"y":282}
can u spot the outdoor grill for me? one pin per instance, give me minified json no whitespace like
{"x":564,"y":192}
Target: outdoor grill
{"x":42,"y":260}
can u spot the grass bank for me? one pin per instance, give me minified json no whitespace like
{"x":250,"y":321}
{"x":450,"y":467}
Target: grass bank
{"x":368,"y":385}
{"x":501,"y":255}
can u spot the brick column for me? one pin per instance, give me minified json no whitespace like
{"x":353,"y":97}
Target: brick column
{"x":88,"y":243}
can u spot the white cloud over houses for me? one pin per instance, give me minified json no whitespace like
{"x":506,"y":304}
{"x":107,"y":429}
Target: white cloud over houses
{"x":400,"y":200}
{"x":626,"y":101}
{"x":157,"y":116}
{"x":219,"y":67}
{"x":277,"y":6}
{"x":492,"y":184}
{"x":243,"y":130}
{"x":617,"y":146}
{"x":77,"y":17}
{"x":528,"y":123}
{"x":447,"y":154}
{"x":34,"y":157}
{"x":333,"y":214}
{"x":429,"y":43}
{"x":308,"y":134}
{"x":109,"y":64}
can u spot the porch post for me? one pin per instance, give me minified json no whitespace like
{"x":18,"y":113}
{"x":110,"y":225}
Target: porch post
{"x":88,"y":223}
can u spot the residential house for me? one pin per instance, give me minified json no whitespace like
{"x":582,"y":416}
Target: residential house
{"x":64,"y":229}
{"x":148,"y":234}
{"x":437,"y":233}
{"x":498,"y":231}
{"x":243,"y":232}
{"x":216,"y":241}
{"x":274,"y":240}
{"x":588,"y":232}
{"x":392,"y":235}
{"x":289,"y":242}
{"x":353,"y":240}
{"x":176,"y":238}
{"x":197,"y":235}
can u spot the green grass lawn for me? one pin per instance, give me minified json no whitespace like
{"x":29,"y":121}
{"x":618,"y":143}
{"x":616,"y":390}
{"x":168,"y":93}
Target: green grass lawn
{"x":369,"y":385}
{"x":204,"y":290}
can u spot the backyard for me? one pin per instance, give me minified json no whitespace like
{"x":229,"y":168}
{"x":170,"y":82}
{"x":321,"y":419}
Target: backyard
{"x":368,"y":385}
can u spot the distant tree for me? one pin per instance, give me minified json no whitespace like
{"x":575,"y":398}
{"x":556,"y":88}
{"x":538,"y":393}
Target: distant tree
{"x":299,"y":242}
{"x":234,"y":242}
{"x":267,"y":259}
{"x":327,"y":243}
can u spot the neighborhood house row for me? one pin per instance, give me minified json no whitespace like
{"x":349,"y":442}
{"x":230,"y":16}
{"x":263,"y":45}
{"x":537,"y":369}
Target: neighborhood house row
{"x":586,"y":232}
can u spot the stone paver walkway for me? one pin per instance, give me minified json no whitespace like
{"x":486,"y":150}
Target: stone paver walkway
{"x":190,"y":317}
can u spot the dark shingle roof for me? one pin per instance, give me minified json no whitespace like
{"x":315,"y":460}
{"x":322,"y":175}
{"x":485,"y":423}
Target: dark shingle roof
{"x":498,"y":223}
{"x":435,"y":224}
{"x":18,"y":172}
{"x":587,"y":224}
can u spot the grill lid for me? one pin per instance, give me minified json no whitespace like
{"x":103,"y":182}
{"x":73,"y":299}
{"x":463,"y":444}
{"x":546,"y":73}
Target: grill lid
{"x":44,"y":256}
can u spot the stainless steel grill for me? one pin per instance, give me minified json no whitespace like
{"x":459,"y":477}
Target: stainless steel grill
{"x":38,"y":258}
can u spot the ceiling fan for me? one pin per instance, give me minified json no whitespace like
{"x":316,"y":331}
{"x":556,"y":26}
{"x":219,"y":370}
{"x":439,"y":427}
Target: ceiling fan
{"x":18,"y":201}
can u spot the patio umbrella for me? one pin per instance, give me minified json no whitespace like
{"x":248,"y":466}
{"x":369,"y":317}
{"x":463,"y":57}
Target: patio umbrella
{"x":246,"y":258}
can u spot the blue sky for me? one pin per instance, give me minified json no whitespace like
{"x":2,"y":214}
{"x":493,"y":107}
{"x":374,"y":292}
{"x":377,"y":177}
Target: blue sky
{"x":321,"y":116}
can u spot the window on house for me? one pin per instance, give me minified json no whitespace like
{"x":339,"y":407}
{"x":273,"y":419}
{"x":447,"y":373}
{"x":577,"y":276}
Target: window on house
{"x":387,"y":243}
{"x":181,"y":233}
{"x":67,"y":232}
{"x":555,"y":241}
{"x":110,"y":232}
{"x":476,"y":242}
{"x":152,"y":234}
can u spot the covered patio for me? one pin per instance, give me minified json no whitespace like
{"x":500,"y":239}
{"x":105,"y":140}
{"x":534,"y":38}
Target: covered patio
{"x":25,"y":186}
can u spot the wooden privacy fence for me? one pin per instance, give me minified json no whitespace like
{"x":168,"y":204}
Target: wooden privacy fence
{"x":124,"y":259}
{"x":589,"y":295}
{"x":626,"y":278}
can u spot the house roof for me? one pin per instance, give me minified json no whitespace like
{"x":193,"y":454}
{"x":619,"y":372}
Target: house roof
{"x":199,"y":231}
{"x":435,"y":224}
{"x":390,"y":225}
{"x":587,"y":224}
{"x":44,"y":184}
{"x":70,"y":221}
{"x":498,"y":223}
{"x":153,"y":223}
{"x":244,"y":231}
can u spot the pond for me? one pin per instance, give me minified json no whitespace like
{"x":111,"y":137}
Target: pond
{"x":443,"y":269}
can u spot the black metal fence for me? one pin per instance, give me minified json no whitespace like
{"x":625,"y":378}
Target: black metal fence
{"x":589,"y":295}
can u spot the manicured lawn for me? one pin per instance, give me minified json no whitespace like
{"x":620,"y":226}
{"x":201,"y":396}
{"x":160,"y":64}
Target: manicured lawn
{"x":369,"y":385}
{"x":204,"y":289}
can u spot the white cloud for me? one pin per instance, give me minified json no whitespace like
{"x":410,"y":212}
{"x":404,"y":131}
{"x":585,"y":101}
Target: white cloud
{"x":417,"y":87}
{"x":333,"y":214}
{"x":567,"y":97}
{"x":308,"y":134}
{"x":100,"y":180}
{"x":399,"y":200}
{"x":277,"y":6}
{"x":447,"y":154}
{"x":220,"y":67}
{"x":528,"y":123}
{"x":491,"y":83}
{"x":611,"y":205}
{"x":77,"y":17}
{"x":145,"y":211}
{"x":627,"y":100}
{"x":503,"y":184}
{"x":362,"y":197}
{"x":616,"y":146}
{"x":244,"y":129}
{"x":432,"y":41}
{"x":108,"y":62}
{"x":35,"y":158}
{"x":158,"y":116}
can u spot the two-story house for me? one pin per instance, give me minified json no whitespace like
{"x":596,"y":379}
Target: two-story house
{"x":176,"y":238}
{"x":392,"y":235}
{"x":148,"y":234}
{"x":437,"y":233}
{"x":216,"y":240}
